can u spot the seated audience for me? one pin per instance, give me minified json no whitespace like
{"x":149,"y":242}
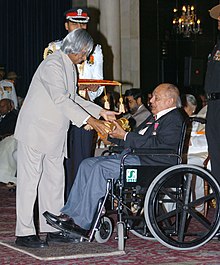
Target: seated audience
{"x":189,"y":104}
{"x":8,"y":118}
{"x":7,"y":90}
{"x":8,"y":144}
{"x":8,"y":161}
{"x":12,"y":77}
{"x":198,"y":144}
{"x":160,"y":130}
{"x":137,"y":112}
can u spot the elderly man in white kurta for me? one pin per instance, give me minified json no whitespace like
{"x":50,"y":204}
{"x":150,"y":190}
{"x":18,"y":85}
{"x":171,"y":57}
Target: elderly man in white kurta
{"x":7,"y":90}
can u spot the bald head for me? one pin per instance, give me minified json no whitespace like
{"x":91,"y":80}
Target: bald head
{"x":164,"y":96}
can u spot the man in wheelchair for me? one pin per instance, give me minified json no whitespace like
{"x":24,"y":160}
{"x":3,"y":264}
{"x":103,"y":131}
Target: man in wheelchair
{"x":161,"y":130}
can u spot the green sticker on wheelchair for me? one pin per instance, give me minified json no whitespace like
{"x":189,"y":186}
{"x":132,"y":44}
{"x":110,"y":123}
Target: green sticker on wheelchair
{"x":131,"y":175}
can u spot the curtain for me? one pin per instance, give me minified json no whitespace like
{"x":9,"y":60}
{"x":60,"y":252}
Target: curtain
{"x":26,"y":28}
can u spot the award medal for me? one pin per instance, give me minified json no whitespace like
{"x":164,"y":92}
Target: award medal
{"x":156,"y":124}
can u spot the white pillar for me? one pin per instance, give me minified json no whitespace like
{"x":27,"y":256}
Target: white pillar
{"x":110,"y":29}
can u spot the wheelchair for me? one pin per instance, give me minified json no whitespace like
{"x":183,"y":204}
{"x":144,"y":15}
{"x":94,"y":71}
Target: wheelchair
{"x":159,"y":202}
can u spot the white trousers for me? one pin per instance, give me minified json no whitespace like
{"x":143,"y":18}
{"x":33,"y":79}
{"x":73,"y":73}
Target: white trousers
{"x":38,"y":175}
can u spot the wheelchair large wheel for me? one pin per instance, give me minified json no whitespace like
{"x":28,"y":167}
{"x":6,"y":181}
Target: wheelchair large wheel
{"x":173,"y":207}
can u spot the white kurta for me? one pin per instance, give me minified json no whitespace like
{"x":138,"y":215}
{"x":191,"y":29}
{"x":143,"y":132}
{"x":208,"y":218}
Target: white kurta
{"x":8,"y":163}
{"x":7,"y":90}
{"x":198,"y":149}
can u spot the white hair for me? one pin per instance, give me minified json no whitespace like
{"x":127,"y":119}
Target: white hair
{"x":76,"y":41}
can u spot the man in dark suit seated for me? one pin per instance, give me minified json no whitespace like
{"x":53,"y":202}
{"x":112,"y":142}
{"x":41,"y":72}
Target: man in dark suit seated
{"x":160,"y":130}
{"x":8,"y":118}
{"x":137,"y":112}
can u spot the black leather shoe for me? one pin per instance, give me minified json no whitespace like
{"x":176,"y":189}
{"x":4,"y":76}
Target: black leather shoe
{"x":58,"y":218}
{"x":71,"y":227}
{"x":62,"y":237}
{"x":67,"y":226}
{"x":30,"y":242}
{"x":64,"y":217}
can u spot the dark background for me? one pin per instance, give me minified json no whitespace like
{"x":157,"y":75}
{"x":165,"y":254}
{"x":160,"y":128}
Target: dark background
{"x":27,"y":26}
{"x":167,"y":57}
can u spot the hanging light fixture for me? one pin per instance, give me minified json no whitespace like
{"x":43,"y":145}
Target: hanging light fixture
{"x":187,"y":22}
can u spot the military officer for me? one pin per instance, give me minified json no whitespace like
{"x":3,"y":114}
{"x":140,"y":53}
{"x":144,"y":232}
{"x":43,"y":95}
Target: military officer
{"x":212,"y":88}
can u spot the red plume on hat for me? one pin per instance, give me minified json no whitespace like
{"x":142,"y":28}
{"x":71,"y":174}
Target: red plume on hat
{"x":77,"y":15}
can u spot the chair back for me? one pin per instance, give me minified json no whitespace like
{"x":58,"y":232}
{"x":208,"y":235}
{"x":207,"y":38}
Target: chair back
{"x":182,"y":140}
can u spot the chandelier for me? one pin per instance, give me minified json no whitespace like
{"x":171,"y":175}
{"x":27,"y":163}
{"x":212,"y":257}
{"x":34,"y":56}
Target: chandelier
{"x":186,"y":23}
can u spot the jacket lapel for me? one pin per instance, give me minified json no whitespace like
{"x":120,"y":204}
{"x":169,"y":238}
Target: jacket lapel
{"x":150,"y":120}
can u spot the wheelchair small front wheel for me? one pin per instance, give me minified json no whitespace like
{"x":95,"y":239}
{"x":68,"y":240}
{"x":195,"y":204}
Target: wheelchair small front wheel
{"x":104,"y":232}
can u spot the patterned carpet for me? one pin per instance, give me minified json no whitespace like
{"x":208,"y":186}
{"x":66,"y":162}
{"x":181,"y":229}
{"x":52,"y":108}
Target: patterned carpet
{"x":138,"y":251}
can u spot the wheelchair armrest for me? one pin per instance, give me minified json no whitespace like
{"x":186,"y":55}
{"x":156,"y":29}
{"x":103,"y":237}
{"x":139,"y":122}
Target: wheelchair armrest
{"x":151,"y":151}
{"x":112,"y":149}
{"x":139,"y":151}
{"x":115,"y":149}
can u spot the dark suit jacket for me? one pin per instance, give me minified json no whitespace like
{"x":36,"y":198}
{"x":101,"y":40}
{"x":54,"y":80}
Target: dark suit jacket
{"x":164,"y":133}
{"x":7,"y":124}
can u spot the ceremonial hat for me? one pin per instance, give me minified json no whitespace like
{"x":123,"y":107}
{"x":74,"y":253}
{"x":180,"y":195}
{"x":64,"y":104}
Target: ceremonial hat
{"x":78,"y":15}
{"x":12,"y":75}
{"x":215,"y":12}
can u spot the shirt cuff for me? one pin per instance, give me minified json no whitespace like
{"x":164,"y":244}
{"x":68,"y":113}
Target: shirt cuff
{"x":125,"y":136}
{"x":86,"y":119}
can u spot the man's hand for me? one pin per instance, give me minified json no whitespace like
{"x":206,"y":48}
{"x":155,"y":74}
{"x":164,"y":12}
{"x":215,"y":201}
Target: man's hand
{"x":109,"y":115}
{"x":118,"y":132}
{"x":98,"y":125}
{"x":104,"y":139}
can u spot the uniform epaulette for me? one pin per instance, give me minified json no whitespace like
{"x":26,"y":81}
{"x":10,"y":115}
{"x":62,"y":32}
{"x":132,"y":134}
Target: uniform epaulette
{"x":52,"y":47}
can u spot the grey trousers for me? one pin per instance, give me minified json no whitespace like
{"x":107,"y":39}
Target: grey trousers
{"x":90,"y":186}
